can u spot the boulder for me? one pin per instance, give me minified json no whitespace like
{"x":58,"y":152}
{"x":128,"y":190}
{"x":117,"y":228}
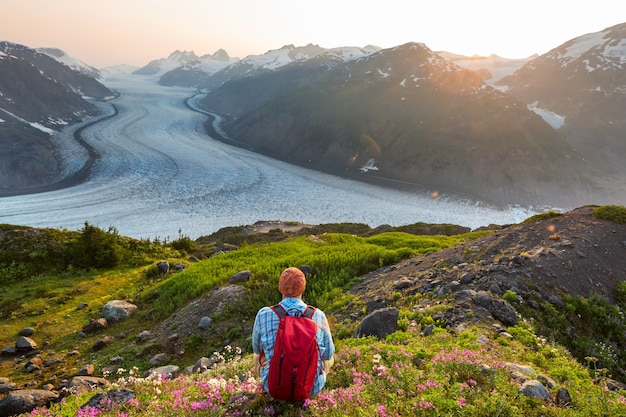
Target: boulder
{"x":25,"y":344}
{"x":81,"y":384}
{"x":106,"y":401}
{"x":24,"y":401}
{"x":203,"y":364}
{"x":118,"y":310}
{"x":379,"y":323}
{"x":158,"y":359}
{"x":143,"y":336}
{"x":535,"y":389}
{"x":167,"y":371}
{"x":27,"y":331}
{"x":86,"y":370}
{"x":9,"y":351}
{"x":95,"y":325}
{"x":499,"y":308}
{"x":242,"y":276}
{"x":163,"y":267}
{"x":102,"y":343}
{"x":205,"y":323}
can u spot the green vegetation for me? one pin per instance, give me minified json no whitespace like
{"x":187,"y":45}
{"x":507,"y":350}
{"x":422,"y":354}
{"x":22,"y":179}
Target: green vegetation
{"x":615,"y":214}
{"x":47,"y":274}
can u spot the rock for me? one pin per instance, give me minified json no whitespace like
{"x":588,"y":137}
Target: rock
{"x":205,"y":323}
{"x":547,"y":381}
{"x":379,"y":323}
{"x":242,"y":276}
{"x":563,"y":398}
{"x":428,"y":330}
{"x":158,"y":359}
{"x":143,"y":336}
{"x":81,"y":384}
{"x":116,"y":360}
{"x":82,"y":306}
{"x":499,"y":308}
{"x":402,"y":283}
{"x":27,"y":331}
{"x":466,"y":278}
{"x":118,"y":310}
{"x":106,"y":401}
{"x":163,"y":267}
{"x":7,"y":386}
{"x":179,"y":268}
{"x":95,"y":325}
{"x":534,"y":389}
{"x":25,"y":344}
{"x":9,"y":351}
{"x":24,"y":401}
{"x":204,"y":364}
{"x":168,"y":371}
{"x":86,"y":370}
{"x":102,"y":343}
{"x":525,"y":370}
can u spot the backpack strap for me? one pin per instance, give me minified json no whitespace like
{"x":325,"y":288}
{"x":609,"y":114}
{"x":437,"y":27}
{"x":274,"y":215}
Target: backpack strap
{"x":308,"y":312}
{"x":279,"y":310}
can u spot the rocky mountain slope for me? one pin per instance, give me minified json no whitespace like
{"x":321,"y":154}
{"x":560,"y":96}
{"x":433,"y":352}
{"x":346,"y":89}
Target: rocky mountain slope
{"x":404,"y":116}
{"x":580,"y":84}
{"x":38,"y":96}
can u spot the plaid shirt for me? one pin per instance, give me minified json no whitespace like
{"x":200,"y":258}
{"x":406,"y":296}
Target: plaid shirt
{"x":264,"y":335}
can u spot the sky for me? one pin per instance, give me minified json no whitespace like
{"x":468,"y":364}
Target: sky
{"x":135,"y":32}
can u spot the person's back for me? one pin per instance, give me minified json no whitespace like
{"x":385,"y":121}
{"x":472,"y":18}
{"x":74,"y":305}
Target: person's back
{"x":292,"y":284}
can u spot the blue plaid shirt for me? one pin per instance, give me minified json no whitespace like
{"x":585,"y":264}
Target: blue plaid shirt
{"x":264,"y":335}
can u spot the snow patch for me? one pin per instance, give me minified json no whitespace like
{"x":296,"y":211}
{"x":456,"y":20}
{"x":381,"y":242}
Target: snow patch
{"x":42,"y":128}
{"x":555,"y":120}
{"x":583,"y":43}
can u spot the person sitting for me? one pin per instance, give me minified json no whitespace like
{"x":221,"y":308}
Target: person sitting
{"x":291,"y":285}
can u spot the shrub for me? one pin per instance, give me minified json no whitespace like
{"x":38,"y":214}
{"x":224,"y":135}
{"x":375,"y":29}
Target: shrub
{"x":97,"y":248}
{"x":612,"y":213}
{"x":510,"y":297}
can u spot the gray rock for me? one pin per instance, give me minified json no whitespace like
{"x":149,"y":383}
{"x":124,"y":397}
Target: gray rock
{"x":168,"y":371}
{"x":102,"y":343}
{"x":205,"y":323}
{"x":242,"y":276}
{"x":379,"y":323}
{"x":158,"y":359}
{"x":466,"y":278}
{"x":9,"y":351}
{"x":402,"y":283}
{"x":163,"y":267}
{"x":7,"y":386}
{"x":24,"y":401}
{"x":28,"y":331}
{"x":25,"y":344}
{"x":534,"y":389}
{"x":118,"y":310}
{"x":81,"y":384}
{"x":563,"y":397}
{"x":428,"y":330}
{"x":143,"y":336}
{"x":203,"y":364}
{"x":499,"y":309}
{"x":106,"y":401}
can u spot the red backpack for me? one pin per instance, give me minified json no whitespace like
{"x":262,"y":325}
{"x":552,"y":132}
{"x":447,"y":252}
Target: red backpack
{"x":294,"y":365}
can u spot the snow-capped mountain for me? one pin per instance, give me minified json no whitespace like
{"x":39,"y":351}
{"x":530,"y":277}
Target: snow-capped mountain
{"x":38,"y":97}
{"x":71,"y":62}
{"x":185,"y":68}
{"x":405,"y":114}
{"x":580,"y":88}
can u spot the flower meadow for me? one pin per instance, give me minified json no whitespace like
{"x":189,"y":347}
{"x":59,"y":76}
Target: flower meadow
{"x":405,"y":374}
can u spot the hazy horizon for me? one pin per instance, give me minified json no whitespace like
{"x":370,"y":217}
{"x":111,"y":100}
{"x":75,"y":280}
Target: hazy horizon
{"x":134,"y":33}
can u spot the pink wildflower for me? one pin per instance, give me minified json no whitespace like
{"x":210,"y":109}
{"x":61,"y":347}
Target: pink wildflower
{"x":461,"y":402}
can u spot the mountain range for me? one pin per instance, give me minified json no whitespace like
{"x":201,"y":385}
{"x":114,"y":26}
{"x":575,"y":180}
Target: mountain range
{"x":41,"y":91}
{"x":545,"y":130}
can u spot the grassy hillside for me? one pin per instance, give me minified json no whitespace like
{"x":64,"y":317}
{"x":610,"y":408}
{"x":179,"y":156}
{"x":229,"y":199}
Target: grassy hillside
{"x":424,"y":368}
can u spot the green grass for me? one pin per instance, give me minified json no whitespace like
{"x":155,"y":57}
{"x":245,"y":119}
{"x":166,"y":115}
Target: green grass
{"x":445,"y":374}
